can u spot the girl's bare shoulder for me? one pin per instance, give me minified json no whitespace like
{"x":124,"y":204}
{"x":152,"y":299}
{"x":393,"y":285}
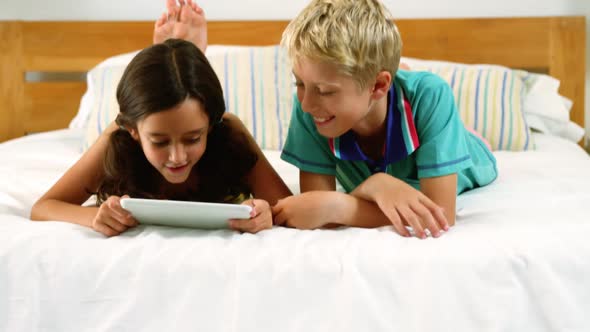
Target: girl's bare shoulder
{"x":233,"y":122}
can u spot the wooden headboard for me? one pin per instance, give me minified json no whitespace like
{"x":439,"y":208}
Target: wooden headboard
{"x":553,"y":45}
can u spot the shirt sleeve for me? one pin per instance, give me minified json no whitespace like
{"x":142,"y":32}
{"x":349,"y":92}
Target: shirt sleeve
{"x":305,"y":147}
{"x":443,"y":147}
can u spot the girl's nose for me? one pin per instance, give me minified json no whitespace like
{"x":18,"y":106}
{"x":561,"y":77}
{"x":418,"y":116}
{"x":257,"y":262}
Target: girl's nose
{"x":177,"y":154}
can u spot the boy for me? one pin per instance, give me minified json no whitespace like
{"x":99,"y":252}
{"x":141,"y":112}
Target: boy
{"x":393,"y":139}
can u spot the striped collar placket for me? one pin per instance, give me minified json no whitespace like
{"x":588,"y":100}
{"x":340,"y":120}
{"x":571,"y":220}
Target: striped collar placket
{"x":401,"y":136}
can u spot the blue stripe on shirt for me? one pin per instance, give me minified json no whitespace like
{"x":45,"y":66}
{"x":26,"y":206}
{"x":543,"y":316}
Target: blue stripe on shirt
{"x":448,"y":163}
{"x":307,"y":162}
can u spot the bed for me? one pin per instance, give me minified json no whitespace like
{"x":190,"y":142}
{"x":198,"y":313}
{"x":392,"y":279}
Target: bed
{"x":517,"y":259}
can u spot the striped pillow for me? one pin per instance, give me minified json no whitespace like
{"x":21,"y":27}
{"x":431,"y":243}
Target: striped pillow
{"x":256,"y":82}
{"x":489,"y":99}
{"x":258,"y":87}
{"x":102,"y":87}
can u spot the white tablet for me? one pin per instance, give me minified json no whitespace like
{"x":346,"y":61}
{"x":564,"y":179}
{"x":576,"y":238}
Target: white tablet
{"x":184,"y":214}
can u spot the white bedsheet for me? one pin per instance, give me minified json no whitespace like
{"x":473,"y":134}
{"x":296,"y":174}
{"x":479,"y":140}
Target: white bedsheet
{"x":517,"y":260}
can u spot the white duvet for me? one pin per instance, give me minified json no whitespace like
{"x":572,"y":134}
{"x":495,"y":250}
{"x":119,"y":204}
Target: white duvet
{"x":517,"y":260}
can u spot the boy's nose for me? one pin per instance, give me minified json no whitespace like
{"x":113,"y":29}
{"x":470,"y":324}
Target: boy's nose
{"x":307,"y":103}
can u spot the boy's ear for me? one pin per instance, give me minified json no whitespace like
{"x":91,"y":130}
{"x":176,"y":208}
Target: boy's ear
{"x":382,"y":85}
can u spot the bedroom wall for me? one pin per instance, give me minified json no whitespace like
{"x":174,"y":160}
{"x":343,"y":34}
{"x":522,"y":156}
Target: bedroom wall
{"x":583,"y":7}
{"x":218,"y":10}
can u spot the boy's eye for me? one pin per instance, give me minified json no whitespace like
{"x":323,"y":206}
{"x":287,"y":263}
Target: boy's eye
{"x":326,"y":93}
{"x":299,"y":84}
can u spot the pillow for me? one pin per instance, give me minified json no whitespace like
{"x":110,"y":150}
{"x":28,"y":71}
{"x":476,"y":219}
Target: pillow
{"x":82,"y":118}
{"x":256,"y":82}
{"x":489,"y":99}
{"x":102,"y":89}
{"x":258,"y":87}
{"x":546,"y":110}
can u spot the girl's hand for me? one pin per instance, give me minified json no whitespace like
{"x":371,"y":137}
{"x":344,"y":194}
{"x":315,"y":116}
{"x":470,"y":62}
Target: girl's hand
{"x":309,"y":210}
{"x":112,"y":219}
{"x":260,"y":217}
{"x":401,"y":203}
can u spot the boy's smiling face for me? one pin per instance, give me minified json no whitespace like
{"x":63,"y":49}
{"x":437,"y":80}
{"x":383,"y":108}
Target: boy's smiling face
{"x":335,"y":101}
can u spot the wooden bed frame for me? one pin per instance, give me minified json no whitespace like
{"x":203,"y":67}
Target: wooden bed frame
{"x":553,"y":45}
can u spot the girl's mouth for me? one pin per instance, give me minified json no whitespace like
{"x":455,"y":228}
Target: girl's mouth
{"x":177,"y":169}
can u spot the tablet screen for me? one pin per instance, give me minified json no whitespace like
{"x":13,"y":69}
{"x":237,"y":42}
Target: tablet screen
{"x":184,"y":214}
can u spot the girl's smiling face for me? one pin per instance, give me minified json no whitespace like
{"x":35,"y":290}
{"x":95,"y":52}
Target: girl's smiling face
{"x":174,"y":140}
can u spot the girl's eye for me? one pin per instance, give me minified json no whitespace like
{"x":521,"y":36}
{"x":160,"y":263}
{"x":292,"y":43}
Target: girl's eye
{"x":160,"y":144}
{"x":194,"y":140}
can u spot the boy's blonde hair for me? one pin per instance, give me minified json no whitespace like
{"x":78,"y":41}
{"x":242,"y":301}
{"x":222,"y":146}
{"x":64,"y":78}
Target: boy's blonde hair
{"x":358,"y":36}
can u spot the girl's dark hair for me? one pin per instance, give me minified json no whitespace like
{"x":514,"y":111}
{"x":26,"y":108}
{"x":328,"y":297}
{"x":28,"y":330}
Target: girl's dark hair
{"x":157,"y":79}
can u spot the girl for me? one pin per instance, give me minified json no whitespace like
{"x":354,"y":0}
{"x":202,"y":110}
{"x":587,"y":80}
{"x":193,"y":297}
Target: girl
{"x":171,"y":140}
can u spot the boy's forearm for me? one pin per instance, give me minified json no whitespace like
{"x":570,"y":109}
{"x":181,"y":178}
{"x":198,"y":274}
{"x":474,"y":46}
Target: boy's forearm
{"x":366,"y":190}
{"x":358,"y":212}
{"x":51,"y":209}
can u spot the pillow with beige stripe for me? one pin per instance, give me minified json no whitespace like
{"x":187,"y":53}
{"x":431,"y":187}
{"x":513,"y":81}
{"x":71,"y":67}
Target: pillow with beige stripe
{"x":257,"y":85}
{"x":489,"y":99}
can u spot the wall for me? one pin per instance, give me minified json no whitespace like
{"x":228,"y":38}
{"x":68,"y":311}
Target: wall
{"x":286,"y":9}
{"x":268,"y":9}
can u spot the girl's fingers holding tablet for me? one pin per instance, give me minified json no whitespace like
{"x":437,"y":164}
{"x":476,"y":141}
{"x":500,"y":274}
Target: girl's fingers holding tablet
{"x":253,"y":225}
{"x":242,"y":225}
{"x":128,"y":221}
{"x":119,"y":213}
{"x":260,"y":217}
{"x":105,"y":230}
{"x":112,"y":219}
{"x":104,"y":223}
{"x":116,"y":225}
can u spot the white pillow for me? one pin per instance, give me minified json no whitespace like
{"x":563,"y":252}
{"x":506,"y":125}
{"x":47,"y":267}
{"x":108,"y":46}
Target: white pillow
{"x":546,"y":110}
{"x":80,"y":121}
{"x":90,"y":95}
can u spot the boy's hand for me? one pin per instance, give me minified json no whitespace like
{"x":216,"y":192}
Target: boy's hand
{"x":309,"y":210}
{"x":401,"y":203}
{"x":112,"y":219}
{"x":260,"y":217}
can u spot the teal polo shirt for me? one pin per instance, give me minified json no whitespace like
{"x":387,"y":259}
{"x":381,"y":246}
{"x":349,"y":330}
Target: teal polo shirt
{"x":425,"y":138}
